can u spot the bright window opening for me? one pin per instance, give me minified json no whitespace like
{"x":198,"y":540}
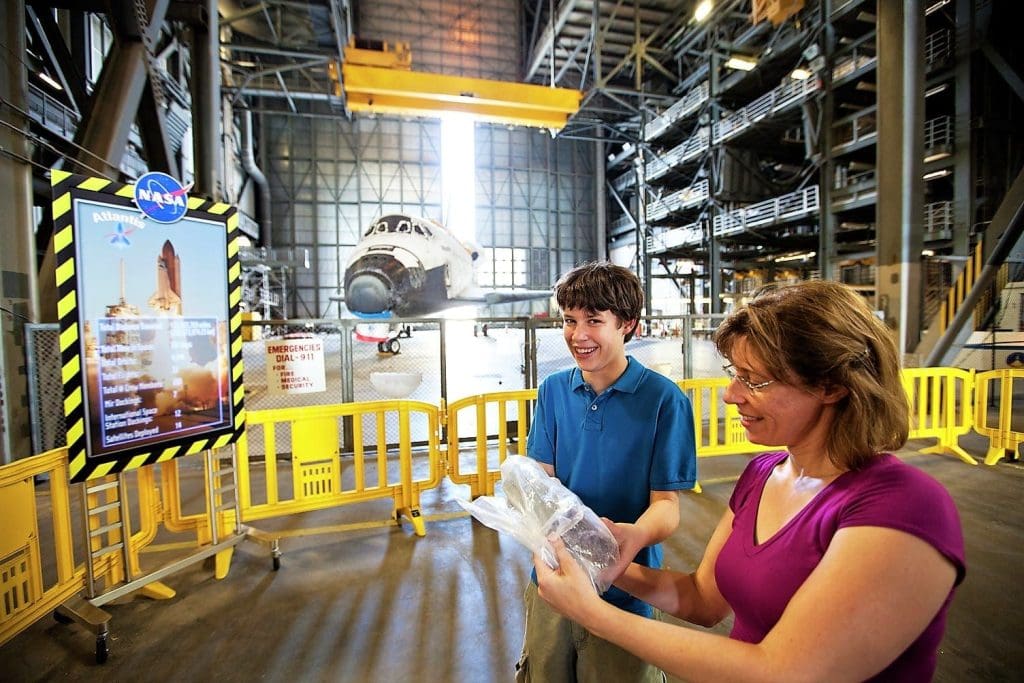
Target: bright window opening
{"x":458,"y":175}
{"x":503,"y":267}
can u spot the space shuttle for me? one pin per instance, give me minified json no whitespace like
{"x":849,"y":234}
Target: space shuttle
{"x":166,"y":300}
{"x":405,"y":266}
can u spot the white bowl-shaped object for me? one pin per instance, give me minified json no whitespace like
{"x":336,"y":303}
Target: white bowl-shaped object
{"x":396,"y":384}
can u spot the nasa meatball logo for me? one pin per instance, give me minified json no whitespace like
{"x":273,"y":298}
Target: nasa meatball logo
{"x":161,"y":197}
{"x":1015,"y":359}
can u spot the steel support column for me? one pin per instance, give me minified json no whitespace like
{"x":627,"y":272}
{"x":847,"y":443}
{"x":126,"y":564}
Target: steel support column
{"x":103,"y":136}
{"x":206,"y":104}
{"x":600,"y":199}
{"x":963,"y":169}
{"x":827,"y":248}
{"x":714,"y":259}
{"x":18,"y":285}
{"x":900,"y":211}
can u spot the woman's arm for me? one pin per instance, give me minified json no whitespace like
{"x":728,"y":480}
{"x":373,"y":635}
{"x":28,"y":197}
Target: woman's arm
{"x":873,"y":593}
{"x":691,"y":597}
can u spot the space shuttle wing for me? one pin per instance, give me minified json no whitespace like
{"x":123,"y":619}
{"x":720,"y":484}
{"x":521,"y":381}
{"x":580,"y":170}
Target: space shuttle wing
{"x":501,"y":296}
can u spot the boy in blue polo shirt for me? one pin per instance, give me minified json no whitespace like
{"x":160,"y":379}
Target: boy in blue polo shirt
{"x":620,"y":436}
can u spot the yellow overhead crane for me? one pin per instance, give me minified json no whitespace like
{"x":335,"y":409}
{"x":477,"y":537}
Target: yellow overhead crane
{"x":380,"y":80}
{"x":775,"y":11}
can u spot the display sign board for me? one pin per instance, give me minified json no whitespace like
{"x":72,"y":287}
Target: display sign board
{"x":150,"y":327}
{"x":295,"y":366}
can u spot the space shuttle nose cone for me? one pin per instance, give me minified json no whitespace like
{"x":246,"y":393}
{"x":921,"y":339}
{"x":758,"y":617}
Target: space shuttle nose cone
{"x":367,"y":294}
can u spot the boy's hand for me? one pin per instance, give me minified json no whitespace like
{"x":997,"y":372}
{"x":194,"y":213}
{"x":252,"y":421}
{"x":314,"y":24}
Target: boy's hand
{"x":630,"y":540}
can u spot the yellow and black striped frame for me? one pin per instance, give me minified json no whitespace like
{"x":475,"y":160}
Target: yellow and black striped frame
{"x":66,"y":187}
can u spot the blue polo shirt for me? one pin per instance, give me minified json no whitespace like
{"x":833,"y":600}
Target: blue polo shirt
{"x":612,"y":449}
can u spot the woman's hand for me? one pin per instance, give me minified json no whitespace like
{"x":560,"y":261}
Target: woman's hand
{"x":567,"y":589}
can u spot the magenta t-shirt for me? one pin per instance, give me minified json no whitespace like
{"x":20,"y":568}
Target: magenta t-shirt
{"x":758,"y":580}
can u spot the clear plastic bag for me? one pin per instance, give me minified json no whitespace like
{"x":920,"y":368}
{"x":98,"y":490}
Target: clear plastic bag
{"x":537,"y":506}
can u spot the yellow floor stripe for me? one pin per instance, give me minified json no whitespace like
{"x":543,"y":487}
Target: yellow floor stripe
{"x":718,"y":480}
{"x":312,"y":531}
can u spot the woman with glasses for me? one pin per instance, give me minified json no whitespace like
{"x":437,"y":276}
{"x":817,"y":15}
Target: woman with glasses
{"x":837,"y":560}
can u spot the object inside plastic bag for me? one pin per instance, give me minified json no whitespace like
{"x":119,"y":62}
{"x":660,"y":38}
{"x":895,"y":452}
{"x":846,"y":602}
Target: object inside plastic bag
{"x":536,"y":506}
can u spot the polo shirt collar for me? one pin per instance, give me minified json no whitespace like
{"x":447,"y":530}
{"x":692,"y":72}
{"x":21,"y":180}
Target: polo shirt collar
{"x":628,"y":381}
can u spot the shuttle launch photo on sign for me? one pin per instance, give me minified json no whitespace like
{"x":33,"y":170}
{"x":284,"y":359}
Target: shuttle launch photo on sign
{"x":407,"y":266}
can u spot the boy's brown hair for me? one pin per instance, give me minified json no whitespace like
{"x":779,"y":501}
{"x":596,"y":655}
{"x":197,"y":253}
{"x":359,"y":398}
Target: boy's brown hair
{"x":602,"y":286}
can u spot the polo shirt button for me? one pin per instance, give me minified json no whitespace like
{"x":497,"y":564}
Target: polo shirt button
{"x":593,"y":407}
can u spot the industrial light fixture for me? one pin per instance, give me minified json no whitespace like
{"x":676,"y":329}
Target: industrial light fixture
{"x":935,"y":157}
{"x":741,"y":62}
{"x":49,"y":81}
{"x":796,"y":257}
{"x":800,"y":74}
{"x":703,"y":9}
{"x":941,"y":173}
{"x":936,"y":90}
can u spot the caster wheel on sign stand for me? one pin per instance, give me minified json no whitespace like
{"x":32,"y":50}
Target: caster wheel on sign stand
{"x":101,"y":649}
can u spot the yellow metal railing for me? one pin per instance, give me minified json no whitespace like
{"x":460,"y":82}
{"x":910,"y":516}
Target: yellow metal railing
{"x":720,"y":433}
{"x":477,"y":410}
{"x":317,"y":480}
{"x":940,"y":407}
{"x":998,"y":385}
{"x":958,"y":292}
{"x":946,"y":403}
{"x":25,"y":596}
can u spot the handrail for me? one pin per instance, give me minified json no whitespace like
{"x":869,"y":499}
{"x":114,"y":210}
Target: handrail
{"x":768,"y":212}
{"x":938,"y":47}
{"x":683,"y":107}
{"x":689,"y":149}
{"x":685,"y":236}
{"x":963,"y":284}
{"x":688,"y":197}
{"x":772,"y":102}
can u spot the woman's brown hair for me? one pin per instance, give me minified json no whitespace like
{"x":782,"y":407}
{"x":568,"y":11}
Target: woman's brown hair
{"x":823,"y":334}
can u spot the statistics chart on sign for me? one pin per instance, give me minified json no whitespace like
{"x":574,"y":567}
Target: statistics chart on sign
{"x":153,"y":379}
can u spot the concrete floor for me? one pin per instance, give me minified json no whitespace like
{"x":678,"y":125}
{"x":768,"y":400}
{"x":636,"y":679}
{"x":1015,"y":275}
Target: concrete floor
{"x":378,"y":603}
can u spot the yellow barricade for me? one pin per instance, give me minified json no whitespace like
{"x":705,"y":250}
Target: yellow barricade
{"x":318,"y":478}
{"x":1002,"y":437}
{"x":722,"y":434}
{"x":482,"y":479}
{"x":165,"y":501}
{"x":27,"y":595}
{"x":940,"y":407}
{"x":945,"y":404}
{"x":150,"y":517}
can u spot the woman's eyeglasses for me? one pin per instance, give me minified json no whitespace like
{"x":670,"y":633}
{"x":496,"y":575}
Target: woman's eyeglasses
{"x":752,"y":386}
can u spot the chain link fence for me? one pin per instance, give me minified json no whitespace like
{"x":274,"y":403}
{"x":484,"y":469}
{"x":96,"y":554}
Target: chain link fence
{"x":433,"y":360}
{"x":45,"y":390}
